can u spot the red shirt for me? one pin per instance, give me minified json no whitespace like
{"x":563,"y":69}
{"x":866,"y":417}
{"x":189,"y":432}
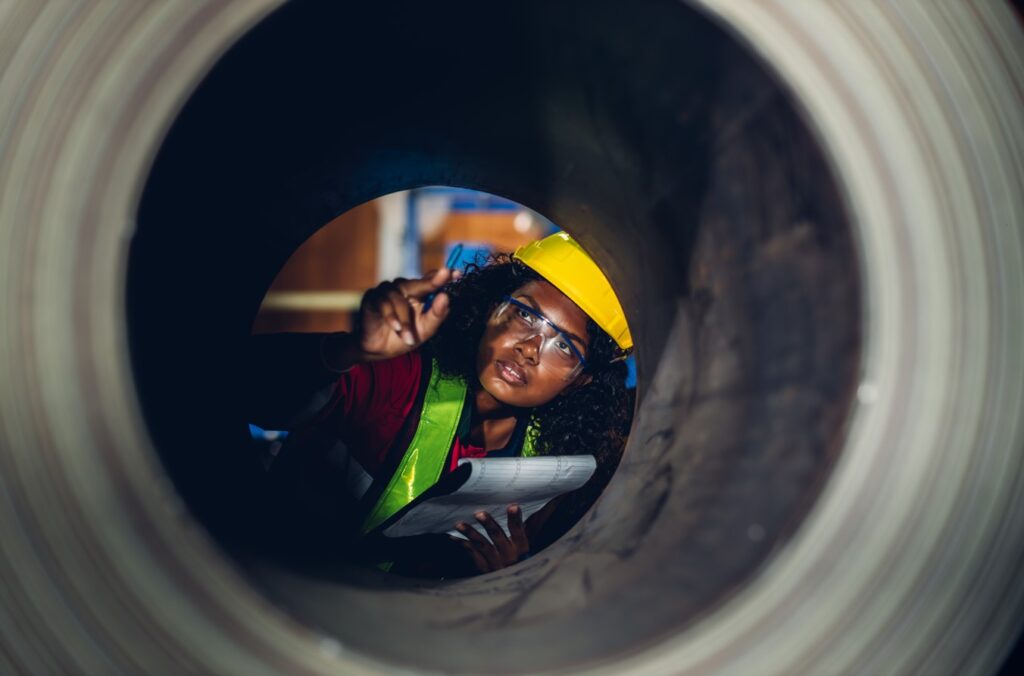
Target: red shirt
{"x":369,"y":405}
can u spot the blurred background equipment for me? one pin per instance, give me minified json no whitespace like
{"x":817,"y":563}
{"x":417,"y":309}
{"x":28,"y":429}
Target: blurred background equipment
{"x":402,"y":234}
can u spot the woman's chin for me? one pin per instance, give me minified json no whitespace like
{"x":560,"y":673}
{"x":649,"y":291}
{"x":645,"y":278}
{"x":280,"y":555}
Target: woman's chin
{"x":506,"y":393}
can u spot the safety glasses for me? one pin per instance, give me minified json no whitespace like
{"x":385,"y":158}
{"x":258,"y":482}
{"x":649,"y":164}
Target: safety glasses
{"x":557,"y":351}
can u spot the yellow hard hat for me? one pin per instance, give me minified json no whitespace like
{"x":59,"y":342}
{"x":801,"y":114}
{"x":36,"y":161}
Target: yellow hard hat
{"x":564,"y":263}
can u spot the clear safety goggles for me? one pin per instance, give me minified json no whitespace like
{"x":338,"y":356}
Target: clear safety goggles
{"x":557,"y":352}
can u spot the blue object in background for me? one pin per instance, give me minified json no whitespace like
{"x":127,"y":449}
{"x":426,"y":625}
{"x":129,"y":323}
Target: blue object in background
{"x":631,"y":377}
{"x":472,"y":252}
{"x":260,"y":434}
{"x":467,"y":199}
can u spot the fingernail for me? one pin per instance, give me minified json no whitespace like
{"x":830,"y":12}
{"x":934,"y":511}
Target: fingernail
{"x":481,"y":515}
{"x":408,"y":339}
{"x":513,"y":508}
{"x":396,"y":325}
{"x":461,"y":526}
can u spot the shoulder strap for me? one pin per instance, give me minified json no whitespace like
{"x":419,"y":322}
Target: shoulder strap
{"x":423,"y":462}
{"x":528,"y":439}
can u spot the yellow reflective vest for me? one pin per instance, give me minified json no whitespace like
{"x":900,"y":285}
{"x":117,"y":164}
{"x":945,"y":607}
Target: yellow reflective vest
{"x":423,"y":462}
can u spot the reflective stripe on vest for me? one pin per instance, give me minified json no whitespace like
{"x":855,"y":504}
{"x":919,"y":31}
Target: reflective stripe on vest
{"x":423,"y":462}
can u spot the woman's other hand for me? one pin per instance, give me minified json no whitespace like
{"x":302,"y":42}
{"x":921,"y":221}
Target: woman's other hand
{"x":502,"y":550}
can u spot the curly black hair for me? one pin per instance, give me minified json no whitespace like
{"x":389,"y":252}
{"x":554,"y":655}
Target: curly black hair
{"x":593,"y":418}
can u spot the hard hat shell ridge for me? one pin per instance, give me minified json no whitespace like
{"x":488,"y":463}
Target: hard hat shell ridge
{"x":563,"y":262}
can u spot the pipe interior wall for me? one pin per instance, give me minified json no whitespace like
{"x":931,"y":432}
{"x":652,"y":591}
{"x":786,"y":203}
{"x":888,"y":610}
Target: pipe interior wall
{"x":682,"y":165}
{"x":814,"y":218}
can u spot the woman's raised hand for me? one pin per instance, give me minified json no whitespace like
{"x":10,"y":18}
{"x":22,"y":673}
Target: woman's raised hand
{"x":392,"y":320}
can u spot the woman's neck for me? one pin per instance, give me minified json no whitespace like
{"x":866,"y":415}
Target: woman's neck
{"x":493,"y":422}
{"x":486,"y":407}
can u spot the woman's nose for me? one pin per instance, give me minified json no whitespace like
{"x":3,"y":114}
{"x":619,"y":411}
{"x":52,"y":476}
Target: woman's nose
{"x":530,"y":348}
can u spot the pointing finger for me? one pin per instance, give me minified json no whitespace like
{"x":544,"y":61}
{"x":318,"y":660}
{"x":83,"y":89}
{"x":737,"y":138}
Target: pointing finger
{"x":418,"y":288}
{"x":429,"y":322}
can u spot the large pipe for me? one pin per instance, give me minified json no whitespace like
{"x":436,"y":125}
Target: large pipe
{"x":813,"y":216}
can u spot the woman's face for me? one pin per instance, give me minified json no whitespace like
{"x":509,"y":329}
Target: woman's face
{"x":512,"y":367}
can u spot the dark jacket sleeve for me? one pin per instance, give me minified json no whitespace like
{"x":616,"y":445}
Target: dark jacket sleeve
{"x":285,"y":380}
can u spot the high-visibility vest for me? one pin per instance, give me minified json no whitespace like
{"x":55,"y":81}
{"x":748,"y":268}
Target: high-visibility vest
{"x":423,"y":462}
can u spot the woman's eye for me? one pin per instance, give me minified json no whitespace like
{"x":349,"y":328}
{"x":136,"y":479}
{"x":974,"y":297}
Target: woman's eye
{"x":524,"y":315}
{"x":563,"y":347}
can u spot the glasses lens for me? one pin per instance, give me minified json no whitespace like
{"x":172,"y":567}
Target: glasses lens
{"x":556,"y":350}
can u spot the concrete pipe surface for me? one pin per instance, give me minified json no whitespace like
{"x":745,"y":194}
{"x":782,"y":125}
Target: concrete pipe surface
{"x":813,"y":212}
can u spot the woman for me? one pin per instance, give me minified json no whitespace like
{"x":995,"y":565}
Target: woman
{"x":520,"y":356}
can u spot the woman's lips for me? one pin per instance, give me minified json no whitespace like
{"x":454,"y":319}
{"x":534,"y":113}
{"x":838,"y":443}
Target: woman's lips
{"x":511,"y":373}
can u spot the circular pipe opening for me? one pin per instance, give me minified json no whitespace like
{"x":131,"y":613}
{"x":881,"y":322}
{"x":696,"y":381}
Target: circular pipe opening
{"x":679,"y":163}
{"x":308,"y":492}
